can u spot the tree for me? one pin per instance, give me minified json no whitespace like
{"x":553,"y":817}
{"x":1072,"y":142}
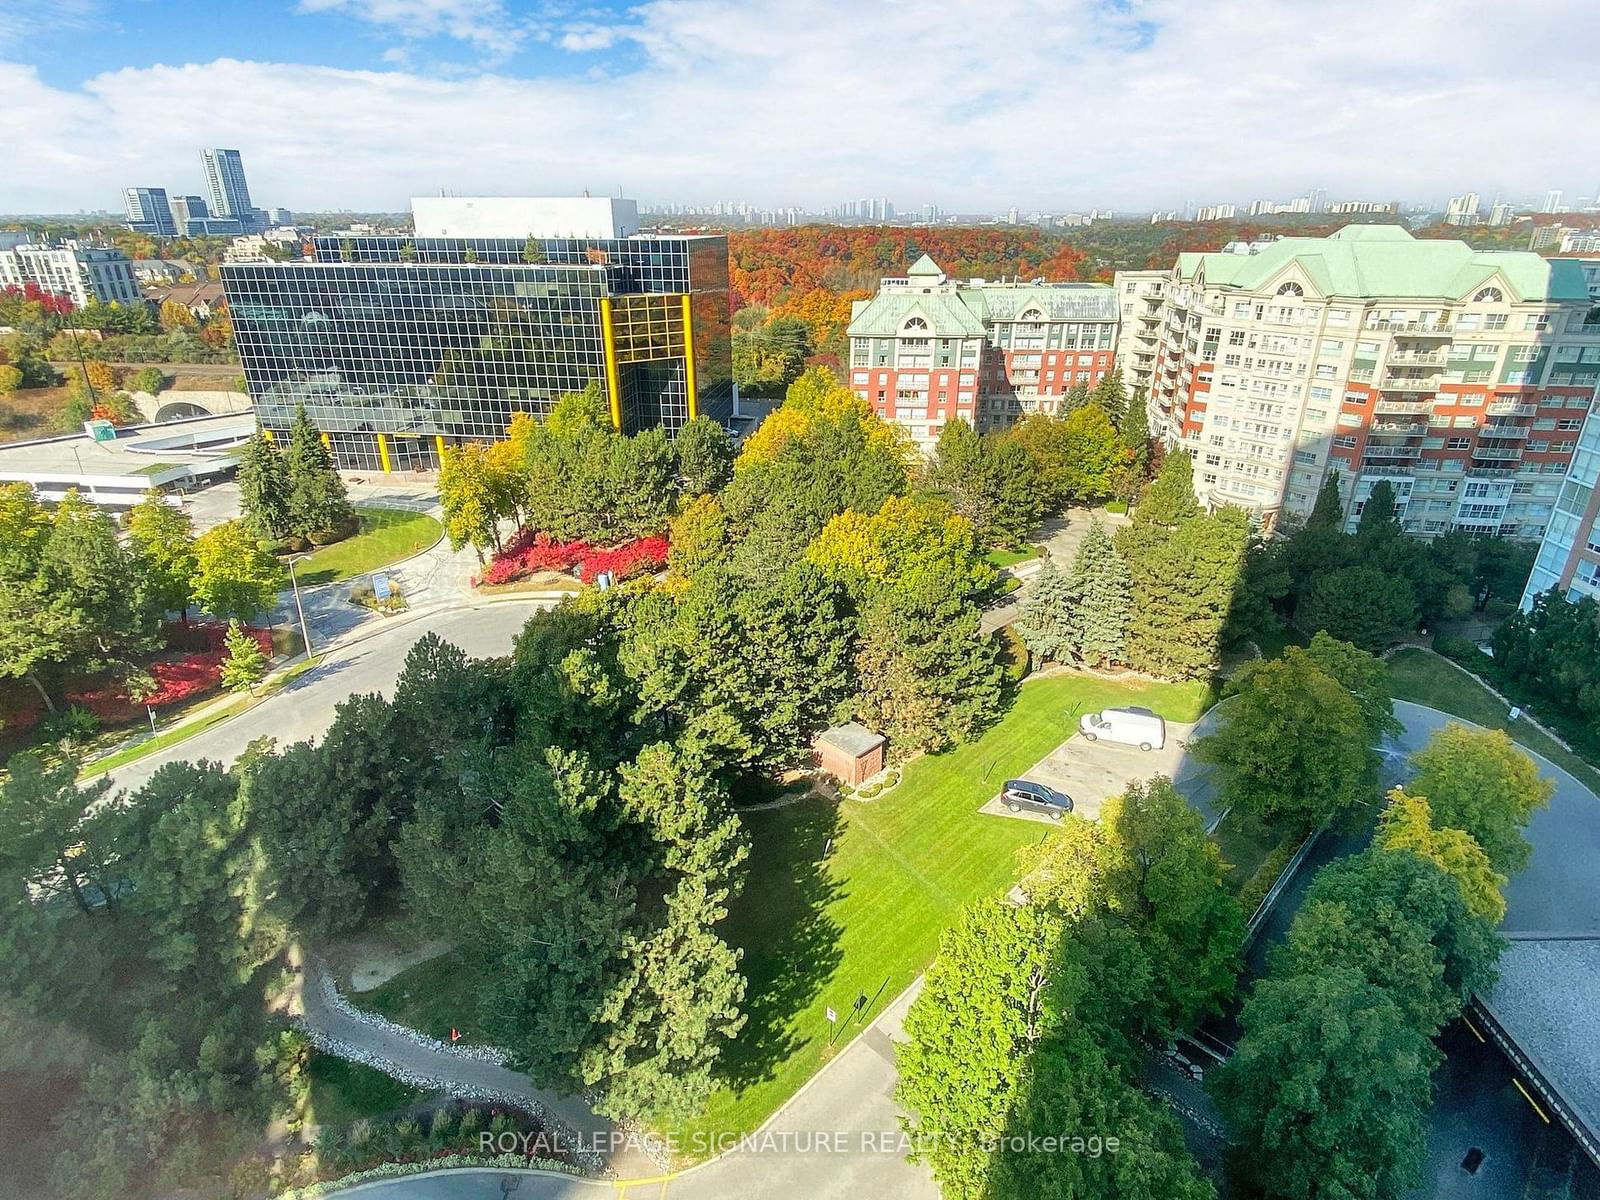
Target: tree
{"x":988,"y":480}
{"x":1407,"y":825}
{"x":1046,"y":622}
{"x":234,"y":576}
{"x":983,"y":1009}
{"x":1365,"y":676}
{"x":1379,"y":520}
{"x":1100,"y":599}
{"x":1134,"y":436}
{"x":929,"y":680}
{"x":175,"y":316}
{"x":60,"y":838}
{"x":1166,"y":877}
{"x":89,"y":578}
{"x":1184,"y":581}
{"x":533,"y":251}
{"x":1478,"y":781}
{"x":147,"y":379}
{"x":264,"y":489}
{"x":1364,"y":606}
{"x":1092,"y":455}
{"x":1169,"y":499}
{"x":161,"y":538}
{"x":318,"y":502}
{"x":10,"y":379}
{"x":698,"y":538}
{"x":1111,"y":397}
{"x":1328,"y":1090}
{"x":33,"y":625}
{"x":705,"y":456}
{"x":1328,"y":512}
{"x":246,"y":662}
{"x":905,"y":541}
{"x":472,"y":497}
{"x":1291,"y":749}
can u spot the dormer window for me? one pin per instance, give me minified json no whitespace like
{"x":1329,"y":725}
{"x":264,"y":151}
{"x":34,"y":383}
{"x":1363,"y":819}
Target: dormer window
{"x":914,"y":325}
{"x":1291,"y":289}
{"x":1489,"y":295}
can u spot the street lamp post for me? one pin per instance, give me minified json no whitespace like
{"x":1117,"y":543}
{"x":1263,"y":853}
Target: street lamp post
{"x":305,"y":630}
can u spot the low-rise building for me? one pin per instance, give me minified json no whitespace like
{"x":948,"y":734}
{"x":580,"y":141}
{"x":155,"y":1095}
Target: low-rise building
{"x":928,"y":349}
{"x":1459,"y":376}
{"x":82,"y":271}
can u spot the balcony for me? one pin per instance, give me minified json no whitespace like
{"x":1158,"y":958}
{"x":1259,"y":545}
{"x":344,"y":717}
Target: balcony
{"x":1392,"y":452}
{"x":1510,"y":408}
{"x":1413,"y":328}
{"x":1416,"y":358}
{"x":1493,"y":430}
{"x":1489,"y":473}
{"x":1409,"y":385}
{"x":1405,"y":407}
{"x":1496,"y":455}
{"x":1388,"y":472}
{"x":1397,"y":428}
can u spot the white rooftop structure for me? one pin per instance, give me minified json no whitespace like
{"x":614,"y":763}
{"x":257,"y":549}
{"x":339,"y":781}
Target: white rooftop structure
{"x":522,"y":216}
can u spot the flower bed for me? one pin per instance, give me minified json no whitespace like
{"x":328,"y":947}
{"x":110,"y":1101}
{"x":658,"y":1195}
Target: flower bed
{"x":190,"y":666}
{"x":530,"y":553}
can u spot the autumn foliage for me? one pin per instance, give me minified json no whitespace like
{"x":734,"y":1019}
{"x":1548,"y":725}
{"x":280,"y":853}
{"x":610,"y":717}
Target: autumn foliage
{"x":529,"y":553}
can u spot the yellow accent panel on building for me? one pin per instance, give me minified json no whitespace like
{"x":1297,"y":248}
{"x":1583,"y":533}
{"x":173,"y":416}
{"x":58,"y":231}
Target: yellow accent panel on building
{"x":383,"y":451}
{"x":688,"y":359}
{"x":438,"y":442}
{"x":267,"y":433}
{"x":613,"y":383}
{"x":327,"y":441}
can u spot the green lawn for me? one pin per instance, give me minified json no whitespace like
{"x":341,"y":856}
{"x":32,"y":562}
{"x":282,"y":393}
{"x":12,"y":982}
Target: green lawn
{"x":1010,"y":558}
{"x":845,"y":901}
{"x":435,"y":997}
{"x":864,"y":920}
{"x":343,"y":1092}
{"x":1424,"y":677}
{"x":387,"y":535}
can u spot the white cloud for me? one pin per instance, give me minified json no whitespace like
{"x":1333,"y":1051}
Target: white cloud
{"x":484,"y":23}
{"x":21,"y":20}
{"x":583,"y":38}
{"x":972,"y":105}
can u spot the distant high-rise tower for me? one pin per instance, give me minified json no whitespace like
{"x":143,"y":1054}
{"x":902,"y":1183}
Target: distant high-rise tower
{"x":1552,"y":201}
{"x":230,"y":194}
{"x":1319,"y":200}
{"x":150,"y":212}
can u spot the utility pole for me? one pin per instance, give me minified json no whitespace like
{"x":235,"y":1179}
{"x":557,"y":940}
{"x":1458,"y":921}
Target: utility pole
{"x":305,"y":630}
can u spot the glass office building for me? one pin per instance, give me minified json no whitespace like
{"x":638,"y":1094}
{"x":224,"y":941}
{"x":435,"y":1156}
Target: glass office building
{"x":400,"y":346}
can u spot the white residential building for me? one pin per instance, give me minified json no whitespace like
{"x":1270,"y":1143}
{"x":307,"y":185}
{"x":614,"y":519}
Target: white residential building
{"x":75,"y":269}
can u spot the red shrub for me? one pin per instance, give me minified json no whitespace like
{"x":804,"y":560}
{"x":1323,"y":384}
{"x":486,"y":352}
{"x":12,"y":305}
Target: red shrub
{"x":645,"y":556}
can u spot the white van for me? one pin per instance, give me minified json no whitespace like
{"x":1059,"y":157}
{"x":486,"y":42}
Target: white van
{"x":1130,"y":726}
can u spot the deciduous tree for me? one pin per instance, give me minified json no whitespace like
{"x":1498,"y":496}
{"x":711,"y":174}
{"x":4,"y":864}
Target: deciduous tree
{"x":161,"y":538}
{"x":1478,"y":781}
{"x":234,"y":576}
{"x":1407,"y":824}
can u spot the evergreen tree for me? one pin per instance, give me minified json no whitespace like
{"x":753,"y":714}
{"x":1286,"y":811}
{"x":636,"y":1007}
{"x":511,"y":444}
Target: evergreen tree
{"x":1364,"y":606}
{"x":264,"y":489}
{"x":533,"y":251}
{"x":1170,"y":497}
{"x":988,"y":480}
{"x":1112,"y":396}
{"x":1135,"y":436}
{"x":1077,"y":396}
{"x":1379,"y":520}
{"x":1328,"y":513}
{"x":1184,"y":582}
{"x":705,"y":456}
{"x":318,"y":502}
{"x":1046,"y":623}
{"x":1099,"y":599}
{"x":246,"y":662}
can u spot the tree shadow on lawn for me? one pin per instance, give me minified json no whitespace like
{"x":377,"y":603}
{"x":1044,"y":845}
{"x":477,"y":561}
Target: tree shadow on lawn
{"x":780,"y":923}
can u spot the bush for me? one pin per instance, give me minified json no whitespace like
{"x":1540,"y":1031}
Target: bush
{"x":147,"y":379}
{"x":1116,"y":506}
{"x":1014,"y":655}
{"x":871,"y":790}
{"x":529,"y":553}
{"x":1259,"y":884}
{"x":889,"y":780}
{"x":75,"y":723}
{"x":1466,"y":652}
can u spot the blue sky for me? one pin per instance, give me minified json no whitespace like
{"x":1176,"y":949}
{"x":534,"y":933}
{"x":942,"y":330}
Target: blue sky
{"x":970,"y":104}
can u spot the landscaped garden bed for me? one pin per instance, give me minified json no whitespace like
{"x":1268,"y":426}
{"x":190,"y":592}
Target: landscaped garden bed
{"x":531,"y":553}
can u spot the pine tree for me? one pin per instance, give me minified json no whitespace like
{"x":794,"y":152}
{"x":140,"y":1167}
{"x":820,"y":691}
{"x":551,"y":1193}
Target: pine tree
{"x":532,"y":250}
{"x":1046,"y":623}
{"x":317,"y":498}
{"x":1329,"y":510}
{"x":1077,"y":396}
{"x":1135,"y":436}
{"x":1111,"y":395}
{"x":1170,"y":499}
{"x":264,"y":489}
{"x":246,"y":662}
{"x":1100,"y":599}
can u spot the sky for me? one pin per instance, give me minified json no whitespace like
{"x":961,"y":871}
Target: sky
{"x":974,"y":105}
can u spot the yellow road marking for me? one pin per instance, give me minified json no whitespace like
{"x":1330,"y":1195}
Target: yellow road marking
{"x":1531,"y":1100}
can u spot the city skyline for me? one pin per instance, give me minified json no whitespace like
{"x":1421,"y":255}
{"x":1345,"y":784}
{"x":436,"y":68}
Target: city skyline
{"x":356,"y":104}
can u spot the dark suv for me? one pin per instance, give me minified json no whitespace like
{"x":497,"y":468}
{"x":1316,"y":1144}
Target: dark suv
{"x":1019,"y":794}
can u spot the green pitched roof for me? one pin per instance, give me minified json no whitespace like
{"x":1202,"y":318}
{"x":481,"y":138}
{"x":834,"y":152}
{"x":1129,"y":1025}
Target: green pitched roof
{"x":1379,"y":261}
{"x":887,"y":312}
{"x":924,"y":266}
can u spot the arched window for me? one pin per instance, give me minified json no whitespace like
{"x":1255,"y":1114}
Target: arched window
{"x":1489,"y":295}
{"x":1033,"y":314}
{"x":1291,"y":289}
{"x":914,"y":325}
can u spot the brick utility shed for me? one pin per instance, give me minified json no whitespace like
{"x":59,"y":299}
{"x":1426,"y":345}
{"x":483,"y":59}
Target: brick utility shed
{"x":850,"y":752}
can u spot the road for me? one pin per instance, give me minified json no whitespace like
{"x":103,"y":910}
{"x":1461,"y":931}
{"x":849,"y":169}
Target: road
{"x":304,"y":708}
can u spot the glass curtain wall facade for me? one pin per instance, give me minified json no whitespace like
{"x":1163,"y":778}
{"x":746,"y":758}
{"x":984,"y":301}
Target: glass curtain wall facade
{"x":398,"y":347}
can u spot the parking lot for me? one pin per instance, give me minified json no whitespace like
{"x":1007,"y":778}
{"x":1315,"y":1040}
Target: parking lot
{"x":1090,"y":772}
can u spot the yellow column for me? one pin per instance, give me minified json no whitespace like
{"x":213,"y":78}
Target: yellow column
{"x":438,"y":442}
{"x":327,"y":441}
{"x":267,"y":433}
{"x":383,"y":451}
{"x":688,"y":359}
{"x":613,"y":383}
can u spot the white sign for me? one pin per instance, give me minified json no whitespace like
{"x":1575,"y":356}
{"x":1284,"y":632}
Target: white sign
{"x":380,"y":587}
{"x":832,"y":1016}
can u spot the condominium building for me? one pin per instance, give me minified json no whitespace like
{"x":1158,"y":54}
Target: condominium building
{"x":1569,"y":555}
{"x":149,"y":212}
{"x":1461,"y":377}
{"x":79,"y":270}
{"x":927,"y":349}
{"x":399,"y":346}
{"x":230,"y":194}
